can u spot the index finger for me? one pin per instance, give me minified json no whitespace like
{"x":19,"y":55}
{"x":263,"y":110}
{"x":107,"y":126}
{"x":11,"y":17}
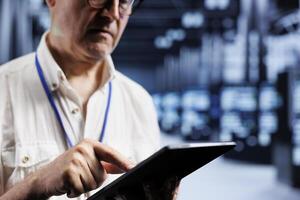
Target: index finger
{"x":112,"y":156}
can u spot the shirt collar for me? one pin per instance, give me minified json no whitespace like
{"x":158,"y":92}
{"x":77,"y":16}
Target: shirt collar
{"x":54,"y":74}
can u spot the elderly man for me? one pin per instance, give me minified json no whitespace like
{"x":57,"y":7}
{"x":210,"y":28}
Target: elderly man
{"x":66,"y":113}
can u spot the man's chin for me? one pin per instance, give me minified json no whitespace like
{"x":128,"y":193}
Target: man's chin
{"x":98,"y":52}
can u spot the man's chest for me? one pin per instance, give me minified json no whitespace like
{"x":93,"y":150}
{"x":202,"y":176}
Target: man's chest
{"x":34,"y":136}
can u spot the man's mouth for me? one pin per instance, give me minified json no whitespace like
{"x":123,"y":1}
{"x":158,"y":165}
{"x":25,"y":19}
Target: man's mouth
{"x":99,"y":31}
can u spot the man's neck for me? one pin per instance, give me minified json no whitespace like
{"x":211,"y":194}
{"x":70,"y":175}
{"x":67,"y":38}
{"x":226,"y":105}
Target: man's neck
{"x":84,"y":77}
{"x":72,"y":66}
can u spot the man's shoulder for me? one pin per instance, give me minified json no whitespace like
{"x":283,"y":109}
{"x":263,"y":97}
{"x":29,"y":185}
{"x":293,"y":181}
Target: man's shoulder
{"x":132,"y":88}
{"x":17,"y":65}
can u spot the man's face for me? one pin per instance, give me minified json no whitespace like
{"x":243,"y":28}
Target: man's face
{"x":85,"y":32}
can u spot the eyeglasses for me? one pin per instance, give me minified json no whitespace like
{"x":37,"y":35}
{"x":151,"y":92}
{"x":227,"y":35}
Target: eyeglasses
{"x":126,"y":7}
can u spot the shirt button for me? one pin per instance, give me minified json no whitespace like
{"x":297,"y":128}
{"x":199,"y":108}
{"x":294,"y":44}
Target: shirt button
{"x":75,"y":111}
{"x":54,"y":86}
{"x":25,"y":159}
{"x":61,"y":77}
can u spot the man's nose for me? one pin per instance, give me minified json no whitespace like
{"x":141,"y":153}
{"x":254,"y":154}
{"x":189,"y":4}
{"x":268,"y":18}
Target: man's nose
{"x":112,"y":10}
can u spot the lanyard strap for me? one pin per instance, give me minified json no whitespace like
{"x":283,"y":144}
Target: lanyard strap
{"x":55,"y":109}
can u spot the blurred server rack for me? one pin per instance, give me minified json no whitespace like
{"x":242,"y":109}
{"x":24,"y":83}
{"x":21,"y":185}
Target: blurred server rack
{"x":195,"y":122}
{"x":22,"y":22}
{"x":287,"y":138}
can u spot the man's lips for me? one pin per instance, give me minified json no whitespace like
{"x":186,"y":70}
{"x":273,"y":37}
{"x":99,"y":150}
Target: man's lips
{"x":100,"y":31}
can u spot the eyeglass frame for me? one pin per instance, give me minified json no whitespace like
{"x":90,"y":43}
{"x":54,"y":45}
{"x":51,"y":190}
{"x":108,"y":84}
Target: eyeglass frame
{"x":131,"y":13}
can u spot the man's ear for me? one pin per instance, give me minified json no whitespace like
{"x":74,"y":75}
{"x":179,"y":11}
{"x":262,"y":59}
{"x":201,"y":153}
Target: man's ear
{"x":51,"y":3}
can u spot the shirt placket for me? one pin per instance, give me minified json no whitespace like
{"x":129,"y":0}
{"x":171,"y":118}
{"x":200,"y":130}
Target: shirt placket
{"x":95,"y":114}
{"x":72,"y":109}
{"x":97,"y":104}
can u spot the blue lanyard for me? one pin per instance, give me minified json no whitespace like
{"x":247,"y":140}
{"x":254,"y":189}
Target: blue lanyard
{"x":53,"y":105}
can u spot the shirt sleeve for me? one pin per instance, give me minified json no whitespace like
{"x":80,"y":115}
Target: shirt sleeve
{"x":1,"y":166}
{"x":2,"y":110}
{"x":6,"y":127}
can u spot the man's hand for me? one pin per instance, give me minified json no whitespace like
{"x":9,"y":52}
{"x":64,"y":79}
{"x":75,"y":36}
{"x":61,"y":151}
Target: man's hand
{"x":80,"y":169}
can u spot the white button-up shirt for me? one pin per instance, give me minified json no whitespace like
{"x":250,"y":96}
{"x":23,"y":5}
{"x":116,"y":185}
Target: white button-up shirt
{"x":30,"y":135}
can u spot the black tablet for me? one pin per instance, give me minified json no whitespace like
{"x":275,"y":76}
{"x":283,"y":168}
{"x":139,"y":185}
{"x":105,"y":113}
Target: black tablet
{"x":178,"y":160}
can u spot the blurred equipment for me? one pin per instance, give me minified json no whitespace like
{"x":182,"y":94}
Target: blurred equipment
{"x":249,"y":118}
{"x":238,"y":122}
{"x":170,"y":114}
{"x":287,"y":139}
{"x":195,"y":124}
{"x":22,"y":22}
{"x":268,"y":121}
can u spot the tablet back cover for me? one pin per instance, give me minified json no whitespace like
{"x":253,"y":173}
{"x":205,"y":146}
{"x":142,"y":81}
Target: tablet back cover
{"x":170,"y":161}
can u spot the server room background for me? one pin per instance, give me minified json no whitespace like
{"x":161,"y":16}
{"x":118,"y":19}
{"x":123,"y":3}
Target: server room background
{"x":218,"y":70}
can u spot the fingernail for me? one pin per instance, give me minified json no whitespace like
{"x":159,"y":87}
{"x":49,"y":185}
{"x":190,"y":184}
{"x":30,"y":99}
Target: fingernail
{"x":132,"y":164}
